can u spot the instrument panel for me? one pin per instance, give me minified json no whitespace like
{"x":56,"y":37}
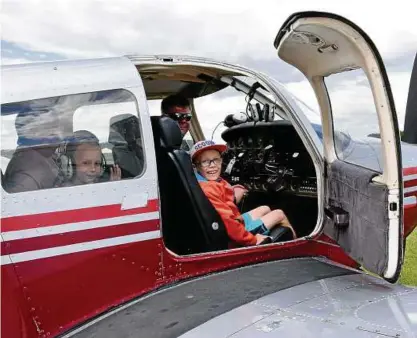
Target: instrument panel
{"x":268,"y":157}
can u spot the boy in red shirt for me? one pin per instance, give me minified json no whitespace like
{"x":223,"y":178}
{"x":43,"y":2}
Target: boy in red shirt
{"x":245,"y":229}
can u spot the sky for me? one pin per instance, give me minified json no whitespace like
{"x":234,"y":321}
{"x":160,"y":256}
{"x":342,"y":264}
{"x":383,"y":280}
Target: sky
{"x":235,"y":31}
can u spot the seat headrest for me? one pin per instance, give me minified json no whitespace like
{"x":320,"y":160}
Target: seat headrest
{"x":170,"y":132}
{"x":124,"y":128}
{"x":82,"y":136}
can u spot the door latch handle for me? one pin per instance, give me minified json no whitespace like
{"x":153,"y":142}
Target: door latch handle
{"x":338,"y":216}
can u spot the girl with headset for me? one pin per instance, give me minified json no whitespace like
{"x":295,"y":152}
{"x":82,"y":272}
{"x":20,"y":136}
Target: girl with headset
{"x":82,"y":161}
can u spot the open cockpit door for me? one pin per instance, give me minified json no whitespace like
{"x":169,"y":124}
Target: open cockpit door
{"x":363,"y":193}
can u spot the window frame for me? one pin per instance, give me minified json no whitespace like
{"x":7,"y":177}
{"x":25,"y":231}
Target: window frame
{"x":83,"y":187}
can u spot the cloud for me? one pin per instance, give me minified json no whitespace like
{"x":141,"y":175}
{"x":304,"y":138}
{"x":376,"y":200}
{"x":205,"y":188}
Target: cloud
{"x":231,"y":30}
{"x":212,"y":110}
{"x":13,"y":61}
{"x":352,"y":101}
{"x":235,"y":31}
{"x":400,"y":82}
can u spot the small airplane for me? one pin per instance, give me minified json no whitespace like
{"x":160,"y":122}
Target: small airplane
{"x":149,"y":256}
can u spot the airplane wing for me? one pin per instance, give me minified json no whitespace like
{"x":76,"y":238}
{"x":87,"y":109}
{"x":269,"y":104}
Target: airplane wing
{"x":298,"y":297}
{"x":343,"y":306}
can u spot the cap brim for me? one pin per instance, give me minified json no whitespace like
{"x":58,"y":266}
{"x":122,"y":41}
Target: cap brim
{"x":221,"y":148}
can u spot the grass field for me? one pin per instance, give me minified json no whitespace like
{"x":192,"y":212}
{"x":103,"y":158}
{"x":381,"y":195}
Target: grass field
{"x":409,"y":271}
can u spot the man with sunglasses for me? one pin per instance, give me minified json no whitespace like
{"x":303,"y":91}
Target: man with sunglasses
{"x":178,"y":108}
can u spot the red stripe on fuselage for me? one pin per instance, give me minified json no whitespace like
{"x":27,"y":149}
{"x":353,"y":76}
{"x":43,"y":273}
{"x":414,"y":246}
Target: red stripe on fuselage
{"x":410,"y":171}
{"x":81,"y":236}
{"x":411,"y":183}
{"x":72,"y":216}
{"x":410,"y":211}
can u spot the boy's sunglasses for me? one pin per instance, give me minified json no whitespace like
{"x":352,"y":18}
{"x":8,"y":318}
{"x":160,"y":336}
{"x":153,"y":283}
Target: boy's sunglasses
{"x":179,"y":117}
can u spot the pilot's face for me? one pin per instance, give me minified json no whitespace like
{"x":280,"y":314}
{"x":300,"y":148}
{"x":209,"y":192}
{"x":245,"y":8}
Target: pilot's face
{"x":209,"y":164}
{"x":88,"y":163}
{"x":183,"y":117}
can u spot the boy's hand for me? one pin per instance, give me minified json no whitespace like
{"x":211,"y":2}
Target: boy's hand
{"x":260,"y":238}
{"x":239,"y":191}
{"x":238,"y":186}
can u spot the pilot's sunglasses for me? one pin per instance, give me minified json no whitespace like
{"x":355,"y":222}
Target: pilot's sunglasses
{"x":179,"y":117}
{"x":207,"y":163}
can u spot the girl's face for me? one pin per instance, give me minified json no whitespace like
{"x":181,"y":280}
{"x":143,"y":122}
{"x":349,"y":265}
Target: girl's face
{"x":209,"y":164}
{"x":88,"y":163}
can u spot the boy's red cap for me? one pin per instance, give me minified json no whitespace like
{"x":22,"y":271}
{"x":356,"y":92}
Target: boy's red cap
{"x":201,"y":146}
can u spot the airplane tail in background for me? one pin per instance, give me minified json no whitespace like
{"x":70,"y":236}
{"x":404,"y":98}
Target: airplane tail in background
{"x":410,"y":123}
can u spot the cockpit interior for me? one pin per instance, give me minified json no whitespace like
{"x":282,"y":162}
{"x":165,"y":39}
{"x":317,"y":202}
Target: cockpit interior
{"x":265,"y":154}
{"x":270,"y":160}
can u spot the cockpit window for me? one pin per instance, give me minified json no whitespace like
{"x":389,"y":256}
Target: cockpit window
{"x":212,"y":110}
{"x":70,"y":140}
{"x":355,"y":116}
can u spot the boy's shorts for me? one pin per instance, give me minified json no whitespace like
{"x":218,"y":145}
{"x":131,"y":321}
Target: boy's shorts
{"x":255,"y":226}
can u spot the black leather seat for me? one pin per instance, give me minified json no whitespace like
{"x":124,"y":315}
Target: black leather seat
{"x":190,"y":223}
{"x":127,"y":147}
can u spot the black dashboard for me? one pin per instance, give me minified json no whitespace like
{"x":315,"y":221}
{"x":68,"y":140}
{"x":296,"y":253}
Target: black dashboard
{"x":268,"y":157}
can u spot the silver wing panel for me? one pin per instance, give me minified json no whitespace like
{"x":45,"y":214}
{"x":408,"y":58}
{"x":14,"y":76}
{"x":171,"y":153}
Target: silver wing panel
{"x":344,"y":306}
{"x":180,"y":307}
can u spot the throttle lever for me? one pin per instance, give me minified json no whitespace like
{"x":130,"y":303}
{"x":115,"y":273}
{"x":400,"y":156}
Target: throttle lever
{"x":267,"y":151}
{"x":230,"y":165}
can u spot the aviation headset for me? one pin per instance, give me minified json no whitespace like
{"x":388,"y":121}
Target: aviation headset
{"x":66,"y":151}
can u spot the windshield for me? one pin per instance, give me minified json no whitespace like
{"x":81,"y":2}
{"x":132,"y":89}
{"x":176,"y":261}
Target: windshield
{"x":354,"y":145}
{"x":311,"y":111}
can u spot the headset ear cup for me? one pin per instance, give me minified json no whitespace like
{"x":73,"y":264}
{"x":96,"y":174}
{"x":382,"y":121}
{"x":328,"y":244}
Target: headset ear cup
{"x":64,"y":161}
{"x":66,"y":166}
{"x":103,"y":164}
{"x":71,"y":165}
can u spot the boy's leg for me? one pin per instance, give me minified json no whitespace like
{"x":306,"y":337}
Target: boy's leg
{"x":253,"y":221}
{"x":255,"y":225}
{"x":277,"y":217}
{"x":273,"y":218}
{"x":259,"y":211}
{"x":251,"y":224}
